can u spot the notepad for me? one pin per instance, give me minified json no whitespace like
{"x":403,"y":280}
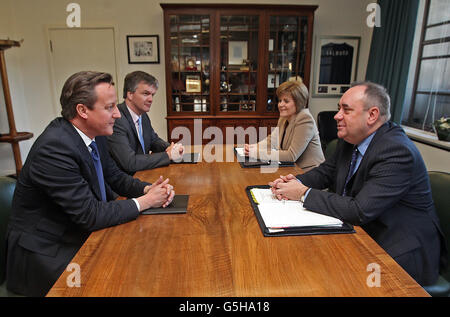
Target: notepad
{"x":240,"y":151}
{"x":280,"y":215}
{"x":178,"y":205}
{"x":191,"y":158}
{"x":246,"y":161}
{"x":265,"y":196}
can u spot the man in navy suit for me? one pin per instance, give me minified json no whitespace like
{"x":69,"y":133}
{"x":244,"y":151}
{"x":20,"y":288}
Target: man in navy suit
{"x":134,"y":145}
{"x":377,"y":180}
{"x":67,"y":187}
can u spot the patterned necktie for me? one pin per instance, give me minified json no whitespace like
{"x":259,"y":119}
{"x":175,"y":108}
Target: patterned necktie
{"x":98,"y":168}
{"x":141,"y":136}
{"x":351,"y":170}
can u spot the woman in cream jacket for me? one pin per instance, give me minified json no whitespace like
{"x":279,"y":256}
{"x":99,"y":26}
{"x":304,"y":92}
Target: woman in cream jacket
{"x":296,"y":138}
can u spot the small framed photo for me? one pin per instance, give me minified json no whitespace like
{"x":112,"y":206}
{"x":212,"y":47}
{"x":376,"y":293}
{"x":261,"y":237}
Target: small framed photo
{"x":273,"y":81}
{"x":270,"y":45}
{"x":143,"y":49}
{"x":191,"y":63}
{"x":336,"y":60}
{"x":237,"y":52}
{"x":193,"y":84}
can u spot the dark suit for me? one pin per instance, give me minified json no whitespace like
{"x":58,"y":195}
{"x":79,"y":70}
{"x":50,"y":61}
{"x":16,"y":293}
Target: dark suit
{"x":126,"y":149}
{"x":57,"y":204}
{"x":389,"y":196}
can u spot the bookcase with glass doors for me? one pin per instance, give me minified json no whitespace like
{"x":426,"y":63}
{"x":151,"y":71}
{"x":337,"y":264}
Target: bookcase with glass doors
{"x":224,"y":62}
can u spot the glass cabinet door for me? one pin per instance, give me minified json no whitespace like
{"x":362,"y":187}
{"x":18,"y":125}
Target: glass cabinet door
{"x":190,"y":62}
{"x":238,"y":63}
{"x":287,"y":54}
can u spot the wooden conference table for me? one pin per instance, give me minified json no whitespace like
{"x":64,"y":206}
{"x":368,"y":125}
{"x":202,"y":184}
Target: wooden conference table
{"x":218,"y":249}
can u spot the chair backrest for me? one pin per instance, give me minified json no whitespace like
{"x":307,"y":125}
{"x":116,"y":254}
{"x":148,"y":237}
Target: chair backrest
{"x":7,"y":186}
{"x":440,"y":189}
{"x":331,"y":148}
{"x":327,"y":126}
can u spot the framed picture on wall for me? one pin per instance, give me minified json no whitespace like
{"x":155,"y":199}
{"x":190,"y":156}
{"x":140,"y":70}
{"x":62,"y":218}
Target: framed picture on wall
{"x":143,"y":49}
{"x":335,"y":66}
{"x":237,"y":52}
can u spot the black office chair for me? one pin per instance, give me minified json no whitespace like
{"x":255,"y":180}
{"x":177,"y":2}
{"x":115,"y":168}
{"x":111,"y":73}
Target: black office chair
{"x":440,"y":184}
{"x":7,"y":186}
{"x":331,"y":148}
{"x":327,"y":127}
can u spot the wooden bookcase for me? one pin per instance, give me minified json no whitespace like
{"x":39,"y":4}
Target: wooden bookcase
{"x":225,"y":61}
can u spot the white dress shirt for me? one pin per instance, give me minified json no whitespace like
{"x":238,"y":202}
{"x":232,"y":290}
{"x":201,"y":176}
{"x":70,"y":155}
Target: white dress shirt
{"x":87,"y":140}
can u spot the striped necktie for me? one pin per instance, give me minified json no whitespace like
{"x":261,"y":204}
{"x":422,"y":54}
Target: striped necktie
{"x":351,"y":170}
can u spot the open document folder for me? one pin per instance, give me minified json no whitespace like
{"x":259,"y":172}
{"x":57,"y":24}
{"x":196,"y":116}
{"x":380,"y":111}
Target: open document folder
{"x":289,"y":217}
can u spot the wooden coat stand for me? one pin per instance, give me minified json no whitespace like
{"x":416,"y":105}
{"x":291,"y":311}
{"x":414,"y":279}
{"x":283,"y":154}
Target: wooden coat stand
{"x":13,"y":136}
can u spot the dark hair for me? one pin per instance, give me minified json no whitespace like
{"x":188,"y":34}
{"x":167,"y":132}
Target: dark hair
{"x":135,"y":78}
{"x":80,"y":89}
{"x":376,"y":95}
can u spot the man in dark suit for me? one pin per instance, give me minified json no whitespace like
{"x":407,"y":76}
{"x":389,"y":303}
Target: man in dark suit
{"x":67,"y":187}
{"x":134,"y":145}
{"x":378,"y":180}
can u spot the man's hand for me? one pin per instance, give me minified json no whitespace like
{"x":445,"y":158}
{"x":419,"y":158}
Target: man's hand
{"x":160,"y":193}
{"x":175,"y":151}
{"x":282,"y":179}
{"x":288,"y":188}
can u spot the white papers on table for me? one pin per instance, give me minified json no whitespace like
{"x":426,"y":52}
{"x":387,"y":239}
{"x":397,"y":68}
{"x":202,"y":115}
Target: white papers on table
{"x":279,"y":215}
{"x":265,"y":195}
{"x":240,"y":151}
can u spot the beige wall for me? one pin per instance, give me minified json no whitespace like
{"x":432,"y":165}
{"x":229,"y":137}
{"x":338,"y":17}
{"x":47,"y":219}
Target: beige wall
{"x":28,"y":66}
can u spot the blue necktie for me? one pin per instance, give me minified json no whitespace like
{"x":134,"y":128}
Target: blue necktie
{"x":351,"y":170}
{"x":141,"y":136}
{"x":98,"y":168}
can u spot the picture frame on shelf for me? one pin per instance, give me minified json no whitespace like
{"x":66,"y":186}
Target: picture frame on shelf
{"x":270,"y":45}
{"x":190,"y":63}
{"x":237,"y":52}
{"x":273,"y":80}
{"x":143,"y":49}
{"x":335,"y":64}
{"x":193,"y":84}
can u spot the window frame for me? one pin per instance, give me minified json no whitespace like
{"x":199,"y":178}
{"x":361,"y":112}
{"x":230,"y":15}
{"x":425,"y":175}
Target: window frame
{"x":422,"y":44}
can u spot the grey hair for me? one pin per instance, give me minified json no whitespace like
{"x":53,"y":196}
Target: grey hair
{"x":376,"y":95}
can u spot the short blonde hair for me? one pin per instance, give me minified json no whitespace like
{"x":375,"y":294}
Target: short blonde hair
{"x":297,"y":90}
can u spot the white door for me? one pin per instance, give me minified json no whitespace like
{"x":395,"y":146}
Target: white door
{"x":77,"y":49}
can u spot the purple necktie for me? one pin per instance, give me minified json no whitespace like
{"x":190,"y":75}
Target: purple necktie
{"x":351,"y":170}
